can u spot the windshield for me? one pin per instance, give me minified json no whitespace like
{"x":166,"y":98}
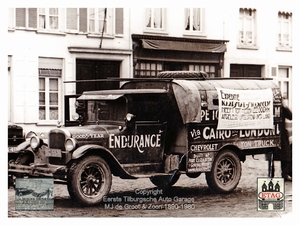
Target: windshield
{"x":111,"y":110}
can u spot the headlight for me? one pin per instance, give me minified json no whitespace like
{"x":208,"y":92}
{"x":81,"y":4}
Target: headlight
{"x":35,"y":142}
{"x":30,"y":134}
{"x":70,"y":144}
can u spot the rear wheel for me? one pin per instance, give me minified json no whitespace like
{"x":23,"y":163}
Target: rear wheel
{"x":89,"y":180}
{"x":225,"y":173}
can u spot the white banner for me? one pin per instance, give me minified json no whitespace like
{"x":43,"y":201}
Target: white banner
{"x":245,"y":109}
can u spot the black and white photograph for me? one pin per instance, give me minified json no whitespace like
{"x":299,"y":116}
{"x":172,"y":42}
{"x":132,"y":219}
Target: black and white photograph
{"x":141,"y":111}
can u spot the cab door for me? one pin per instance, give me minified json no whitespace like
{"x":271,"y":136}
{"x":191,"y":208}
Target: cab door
{"x":144,"y":143}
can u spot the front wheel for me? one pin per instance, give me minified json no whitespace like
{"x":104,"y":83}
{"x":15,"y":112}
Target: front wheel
{"x":89,"y":180}
{"x":225,"y":172}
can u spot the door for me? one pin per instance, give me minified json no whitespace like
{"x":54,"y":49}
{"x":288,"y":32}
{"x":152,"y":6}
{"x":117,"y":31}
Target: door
{"x":90,"y":71}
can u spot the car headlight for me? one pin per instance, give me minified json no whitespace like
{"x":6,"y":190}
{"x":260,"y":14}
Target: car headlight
{"x":29,"y":135}
{"x":35,"y":142}
{"x":70,"y":144}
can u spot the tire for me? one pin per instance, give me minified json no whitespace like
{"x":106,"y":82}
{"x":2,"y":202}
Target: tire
{"x":225,"y":172}
{"x":164,"y":182}
{"x":183,"y":74}
{"x":89,"y":180}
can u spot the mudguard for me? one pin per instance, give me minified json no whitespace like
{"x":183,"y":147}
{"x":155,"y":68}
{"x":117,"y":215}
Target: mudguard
{"x":82,"y":150}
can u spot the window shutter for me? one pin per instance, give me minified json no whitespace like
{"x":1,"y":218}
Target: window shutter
{"x":119,"y":21}
{"x":274,"y":69}
{"x":83,"y":19}
{"x":20,"y":17}
{"x":50,"y":63}
{"x":72,"y":18}
{"x":32,"y":20}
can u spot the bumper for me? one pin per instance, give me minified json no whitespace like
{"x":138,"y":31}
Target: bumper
{"x":40,"y":170}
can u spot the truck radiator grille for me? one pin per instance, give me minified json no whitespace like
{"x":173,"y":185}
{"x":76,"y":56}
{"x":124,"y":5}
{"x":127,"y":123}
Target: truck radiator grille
{"x":57,"y":140}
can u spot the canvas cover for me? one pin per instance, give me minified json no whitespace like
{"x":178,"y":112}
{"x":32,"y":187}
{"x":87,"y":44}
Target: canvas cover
{"x":188,"y":96}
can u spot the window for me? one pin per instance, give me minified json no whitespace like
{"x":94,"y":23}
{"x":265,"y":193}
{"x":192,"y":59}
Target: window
{"x":284,"y":30}
{"x":209,"y":69}
{"x":148,"y":69}
{"x":48,"y":18}
{"x":50,"y":72}
{"x":151,"y":68}
{"x":84,"y":20}
{"x":193,"y":19}
{"x":284,"y":78}
{"x":100,"y":21}
{"x":49,"y":94}
{"x":247,"y":34}
{"x":26,"y":18}
{"x":154,"y":18}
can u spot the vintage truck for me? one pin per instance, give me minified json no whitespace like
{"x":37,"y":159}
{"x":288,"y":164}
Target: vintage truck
{"x":179,"y":123}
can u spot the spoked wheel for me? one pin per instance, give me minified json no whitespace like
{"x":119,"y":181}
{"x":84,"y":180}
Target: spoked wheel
{"x":225,"y":173}
{"x":89,"y":180}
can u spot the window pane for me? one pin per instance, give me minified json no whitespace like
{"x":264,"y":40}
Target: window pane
{"x":53,"y":98}
{"x":187,"y":19}
{"x":196,"y":18}
{"x":92,"y":20}
{"x":157,"y":18}
{"x":53,"y":18}
{"x":283,"y":73}
{"x":285,"y":90}
{"x":42,"y":98}
{"x":53,"y":113}
{"x":148,"y":18}
{"x":42,"y":84}
{"x":53,"y":11}
{"x":101,"y":15}
{"x":42,"y":113}
{"x":42,"y":18}
{"x":42,"y":21}
{"x":53,"y":22}
{"x":53,"y":84}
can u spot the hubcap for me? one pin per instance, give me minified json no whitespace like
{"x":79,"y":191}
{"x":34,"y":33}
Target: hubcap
{"x":91,"y":180}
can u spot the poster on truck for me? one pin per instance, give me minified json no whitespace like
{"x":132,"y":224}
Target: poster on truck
{"x":245,"y":109}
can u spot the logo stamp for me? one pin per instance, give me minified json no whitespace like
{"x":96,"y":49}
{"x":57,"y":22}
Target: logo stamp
{"x":34,"y":194}
{"x":270,"y":194}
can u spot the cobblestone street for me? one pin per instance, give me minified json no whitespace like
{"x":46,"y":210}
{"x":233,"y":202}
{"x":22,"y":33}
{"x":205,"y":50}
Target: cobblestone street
{"x":242,"y":202}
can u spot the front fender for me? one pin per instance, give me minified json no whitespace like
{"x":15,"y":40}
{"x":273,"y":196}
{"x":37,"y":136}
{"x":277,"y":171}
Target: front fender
{"x":15,"y":154}
{"x":82,"y":150}
{"x":22,"y":146}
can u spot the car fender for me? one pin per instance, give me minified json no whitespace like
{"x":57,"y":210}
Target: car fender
{"x":24,"y":145}
{"x":82,"y":150}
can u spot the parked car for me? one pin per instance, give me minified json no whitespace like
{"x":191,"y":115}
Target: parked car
{"x":15,"y":136}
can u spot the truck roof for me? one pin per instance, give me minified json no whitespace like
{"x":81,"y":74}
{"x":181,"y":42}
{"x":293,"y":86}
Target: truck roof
{"x":115,"y":94}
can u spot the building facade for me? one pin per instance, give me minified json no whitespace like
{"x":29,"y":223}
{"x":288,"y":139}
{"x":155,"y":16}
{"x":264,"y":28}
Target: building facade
{"x":51,"y":48}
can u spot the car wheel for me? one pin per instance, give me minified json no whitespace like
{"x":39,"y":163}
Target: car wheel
{"x":89,"y":180}
{"x":225,"y":173}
